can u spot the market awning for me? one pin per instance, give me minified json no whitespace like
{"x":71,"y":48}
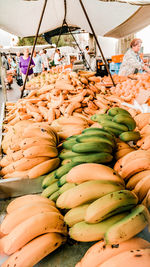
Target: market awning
{"x":116,"y":19}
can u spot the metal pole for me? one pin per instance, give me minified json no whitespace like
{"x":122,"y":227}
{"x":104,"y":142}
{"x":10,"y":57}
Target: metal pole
{"x":92,"y":29}
{"x":35,"y":40}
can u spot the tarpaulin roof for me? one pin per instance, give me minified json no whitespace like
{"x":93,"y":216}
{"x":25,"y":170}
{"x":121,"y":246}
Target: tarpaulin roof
{"x":114,"y":19}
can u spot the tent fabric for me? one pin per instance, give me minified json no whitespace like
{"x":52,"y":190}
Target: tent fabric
{"x":137,"y":22}
{"x":21,"y":17}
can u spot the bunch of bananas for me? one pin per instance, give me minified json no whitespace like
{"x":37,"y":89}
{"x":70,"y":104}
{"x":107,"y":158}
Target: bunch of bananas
{"x":94,"y":145}
{"x":99,"y":206}
{"x":31,"y":150}
{"x":135,"y":251}
{"x":32,"y":228}
{"x":119,"y":122}
{"x":134,"y":168}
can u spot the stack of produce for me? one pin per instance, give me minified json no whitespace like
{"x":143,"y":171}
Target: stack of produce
{"x":31,"y":150}
{"x":100,"y":207}
{"x":143,"y":124}
{"x":32,"y":228}
{"x":93,"y":145}
{"x":63,"y":95}
{"x":134,"y":252}
{"x":130,"y":89}
{"x":119,"y":122}
{"x":68,"y":126}
{"x":135,"y":169}
{"x":117,"y":79}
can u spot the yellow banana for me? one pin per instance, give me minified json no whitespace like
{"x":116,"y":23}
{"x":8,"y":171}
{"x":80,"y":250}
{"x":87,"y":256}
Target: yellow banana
{"x":129,"y":226}
{"x":136,"y":178}
{"x":140,"y":257}
{"x":92,"y":171}
{"x":142,"y":187}
{"x":134,"y":166}
{"x":86,"y":232}
{"x":100,"y":252}
{"x":35,"y":250}
{"x":86,"y":192}
{"x":25,"y":200}
{"x":23,"y":213}
{"x":109,"y":205}
{"x":31,"y":228}
{"x":75,"y":215}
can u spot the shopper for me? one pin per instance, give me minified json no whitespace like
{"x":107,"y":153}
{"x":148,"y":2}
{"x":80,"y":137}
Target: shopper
{"x":23,"y":64}
{"x":45,"y":64}
{"x":87,"y":57}
{"x":5,"y":63}
{"x":132,"y":63}
{"x":57,"y":57}
{"x":38,"y":63}
{"x":17,"y":62}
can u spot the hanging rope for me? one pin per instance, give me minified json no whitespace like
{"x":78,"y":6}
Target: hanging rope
{"x":86,"y":63}
{"x":92,"y":29}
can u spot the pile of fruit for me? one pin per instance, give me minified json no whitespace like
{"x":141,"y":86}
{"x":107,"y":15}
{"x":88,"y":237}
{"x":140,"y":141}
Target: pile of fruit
{"x":119,"y":122}
{"x":64,"y":95}
{"x":130,"y":89}
{"x":32,"y":228}
{"x":143,"y":124}
{"x":31,"y":150}
{"x":100,"y":207}
{"x":99,"y":202}
{"x":134,"y":168}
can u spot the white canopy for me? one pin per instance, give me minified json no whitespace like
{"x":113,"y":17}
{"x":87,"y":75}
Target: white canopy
{"x":114,"y":19}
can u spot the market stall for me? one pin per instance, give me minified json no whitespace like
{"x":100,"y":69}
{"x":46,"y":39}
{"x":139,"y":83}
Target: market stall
{"x":73,"y":139}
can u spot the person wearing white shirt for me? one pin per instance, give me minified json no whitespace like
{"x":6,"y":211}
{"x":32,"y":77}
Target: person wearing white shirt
{"x":57,"y":57}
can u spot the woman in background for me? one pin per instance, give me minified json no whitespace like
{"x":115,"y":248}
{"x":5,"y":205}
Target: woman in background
{"x":23,"y":64}
{"x":132,"y":63}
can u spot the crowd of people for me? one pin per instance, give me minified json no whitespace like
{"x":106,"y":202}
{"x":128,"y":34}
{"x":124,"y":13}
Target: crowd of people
{"x":17,"y":65}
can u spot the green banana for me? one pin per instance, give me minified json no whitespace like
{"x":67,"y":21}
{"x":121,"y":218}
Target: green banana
{"x":66,"y":154}
{"x":55,"y":195}
{"x":130,"y":136}
{"x":90,"y":147}
{"x":126,"y":120}
{"x":86,"y":232}
{"x":86,"y":192}
{"x":71,"y":137}
{"x":99,"y":133}
{"x":62,"y":170}
{"x":93,"y":158}
{"x":129,"y":226}
{"x":112,"y":124}
{"x":68,"y":144}
{"x":116,"y":110}
{"x":62,"y":181}
{"x":50,"y":190}
{"x":66,"y":161}
{"x":75,"y":215}
{"x":99,"y":117}
{"x":49,"y":179}
{"x":66,"y":187}
{"x":114,"y":131}
{"x":109,"y":205}
{"x":85,"y":138}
